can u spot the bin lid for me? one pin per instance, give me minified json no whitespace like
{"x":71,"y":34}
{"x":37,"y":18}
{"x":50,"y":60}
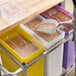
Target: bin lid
{"x":21,"y":45}
{"x":15,"y":12}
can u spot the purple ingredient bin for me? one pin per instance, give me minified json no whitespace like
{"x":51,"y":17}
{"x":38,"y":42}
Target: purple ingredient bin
{"x":69,"y":51}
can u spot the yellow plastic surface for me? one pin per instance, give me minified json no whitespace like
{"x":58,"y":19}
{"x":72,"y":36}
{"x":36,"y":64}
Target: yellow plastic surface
{"x":15,"y":31}
{"x":36,"y":69}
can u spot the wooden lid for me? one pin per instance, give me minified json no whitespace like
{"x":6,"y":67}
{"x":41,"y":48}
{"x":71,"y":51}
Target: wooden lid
{"x":14,"y":12}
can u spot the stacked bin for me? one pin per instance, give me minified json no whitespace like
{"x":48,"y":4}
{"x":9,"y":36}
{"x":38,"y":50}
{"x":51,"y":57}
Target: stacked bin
{"x":53,"y":61}
{"x":24,"y":48}
{"x":63,"y":16}
{"x":69,"y":50}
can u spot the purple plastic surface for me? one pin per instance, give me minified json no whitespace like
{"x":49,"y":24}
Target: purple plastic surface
{"x":59,"y":8}
{"x":68,"y":33}
{"x":68,"y":54}
{"x":69,"y":51}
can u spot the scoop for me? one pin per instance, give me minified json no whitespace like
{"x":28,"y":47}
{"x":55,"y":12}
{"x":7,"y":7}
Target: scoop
{"x":50,"y":30}
{"x":52,"y":21}
{"x":47,"y":30}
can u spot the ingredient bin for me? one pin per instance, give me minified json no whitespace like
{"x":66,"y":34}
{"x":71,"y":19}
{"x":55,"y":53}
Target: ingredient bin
{"x":59,"y":14}
{"x":69,"y":50}
{"x":33,"y":24}
{"x":53,"y":62}
{"x":66,"y":17}
{"x":24,"y":48}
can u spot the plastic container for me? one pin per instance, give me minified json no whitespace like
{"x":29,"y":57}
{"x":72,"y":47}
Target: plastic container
{"x":53,"y":62}
{"x":32,"y":25}
{"x":69,"y":50}
{"x":59,"y":14}
{"x":24,"y":48}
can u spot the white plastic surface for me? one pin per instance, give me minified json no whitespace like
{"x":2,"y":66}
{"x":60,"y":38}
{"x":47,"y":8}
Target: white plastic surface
{"x":46,"y":44}
{"x":53,"y":62}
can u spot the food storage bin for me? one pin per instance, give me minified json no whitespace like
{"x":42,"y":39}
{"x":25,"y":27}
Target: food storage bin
{"x":59,"y":14}
{"x":32,"y":25}
{"x":69,"y":50}
{"x":24,"y":48}
{"x":53,"y":61}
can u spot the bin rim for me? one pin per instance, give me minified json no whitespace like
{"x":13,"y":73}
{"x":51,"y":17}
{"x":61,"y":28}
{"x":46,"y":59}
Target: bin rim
{"x":15,"y":54}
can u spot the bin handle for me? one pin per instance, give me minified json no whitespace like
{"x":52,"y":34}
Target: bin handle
{"x":10,"y":73}
{"x":10,"y":55}
{"x":3,"y":69}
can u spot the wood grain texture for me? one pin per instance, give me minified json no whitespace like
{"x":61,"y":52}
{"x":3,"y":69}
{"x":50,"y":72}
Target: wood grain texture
{"x":14,"y":12}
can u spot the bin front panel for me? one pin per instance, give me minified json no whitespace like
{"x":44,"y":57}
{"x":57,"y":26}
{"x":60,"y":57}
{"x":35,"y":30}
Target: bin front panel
{"x":36,"y":69}
{"x":69,"y":54}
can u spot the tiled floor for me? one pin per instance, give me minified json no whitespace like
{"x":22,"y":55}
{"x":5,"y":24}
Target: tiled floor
{"x":71,"y":73}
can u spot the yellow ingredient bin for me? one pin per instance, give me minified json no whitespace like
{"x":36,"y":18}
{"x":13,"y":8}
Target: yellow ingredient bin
{"x":24,"y":48}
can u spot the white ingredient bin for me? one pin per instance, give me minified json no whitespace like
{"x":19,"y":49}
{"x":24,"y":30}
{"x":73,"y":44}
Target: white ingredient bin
{"x":53,"y":61}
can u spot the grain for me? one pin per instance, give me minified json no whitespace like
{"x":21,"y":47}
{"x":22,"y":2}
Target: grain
{"x":57,"y":15}
{"x":68,"y":27}
{"x":35,"y":24}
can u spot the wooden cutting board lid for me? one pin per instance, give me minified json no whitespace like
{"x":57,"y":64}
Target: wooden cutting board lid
{"x":14,"y":12}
